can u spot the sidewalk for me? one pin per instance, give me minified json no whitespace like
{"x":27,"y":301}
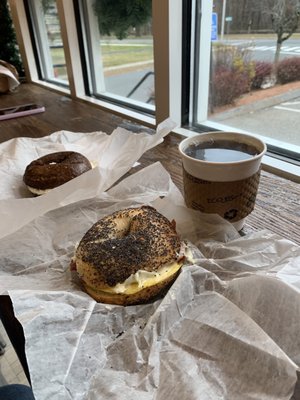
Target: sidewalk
{"x":273,"y":114}
{"x":258,"y":100}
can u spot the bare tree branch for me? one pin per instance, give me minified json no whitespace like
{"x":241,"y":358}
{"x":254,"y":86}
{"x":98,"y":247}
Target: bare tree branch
{"x":285,"y":17}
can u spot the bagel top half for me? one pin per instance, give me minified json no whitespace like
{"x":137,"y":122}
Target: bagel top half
{"x":54,"y":169}
{"x":125,"y":255}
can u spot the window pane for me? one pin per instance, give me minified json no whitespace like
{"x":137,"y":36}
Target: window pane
{"x":119,"y":50}
{"x":254,"y":83}
{"x":48,"y":39}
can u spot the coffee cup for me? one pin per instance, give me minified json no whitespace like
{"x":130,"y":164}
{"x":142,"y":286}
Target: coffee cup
{"x":221,"y":172}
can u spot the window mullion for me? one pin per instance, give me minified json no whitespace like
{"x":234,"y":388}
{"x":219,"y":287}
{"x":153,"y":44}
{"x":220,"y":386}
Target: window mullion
{"x":42,"y":40}
{"x":94,"y":40}
{"x":175,"y":60}
{"x":160,"y":26}
{"x":203,"y":55}
{"x":19,"y":18}
{"x":69,"y":35}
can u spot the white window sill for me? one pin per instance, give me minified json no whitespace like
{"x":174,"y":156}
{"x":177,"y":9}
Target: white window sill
{"x":281,"y":168}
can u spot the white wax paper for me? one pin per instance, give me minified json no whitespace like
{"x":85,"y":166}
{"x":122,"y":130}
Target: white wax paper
{"x":12,"y":81}
{"x":227,"y":329}
{"x":113,"y":155}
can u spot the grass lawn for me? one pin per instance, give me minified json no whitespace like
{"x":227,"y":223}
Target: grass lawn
{"x":114,"y":55}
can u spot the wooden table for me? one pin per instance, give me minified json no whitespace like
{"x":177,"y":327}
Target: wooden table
{"x":277,"y":208}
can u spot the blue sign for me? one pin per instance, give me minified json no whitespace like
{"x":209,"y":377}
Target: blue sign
{"x":214,"y":27}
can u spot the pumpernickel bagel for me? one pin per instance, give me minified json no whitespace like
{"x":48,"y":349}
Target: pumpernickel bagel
{"x":129,"y":256}
{"x":53,"y":170}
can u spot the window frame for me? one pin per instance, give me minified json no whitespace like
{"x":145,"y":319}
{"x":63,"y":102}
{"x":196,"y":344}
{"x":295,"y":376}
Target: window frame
{"x":41,"y":37}
{"x":91,"y":38}
{"x":287,"y":161}
{"x":170,"y":83}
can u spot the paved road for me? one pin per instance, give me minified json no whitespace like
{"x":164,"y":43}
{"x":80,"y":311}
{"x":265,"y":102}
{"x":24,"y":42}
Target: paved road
{"x":261,"y":49}
{"x":123,"y":83}
{"x":280,"y":122}
{"x":264,"y":50}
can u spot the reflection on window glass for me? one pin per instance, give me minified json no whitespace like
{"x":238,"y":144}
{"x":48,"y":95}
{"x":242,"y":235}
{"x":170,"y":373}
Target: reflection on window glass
{"x":120,"y":50}
{"x":255,"y":68}
{"x":48,"y":36}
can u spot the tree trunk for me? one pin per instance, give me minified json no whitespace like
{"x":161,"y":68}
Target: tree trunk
{"x":276,"y":59}
{"x":277,"y":52}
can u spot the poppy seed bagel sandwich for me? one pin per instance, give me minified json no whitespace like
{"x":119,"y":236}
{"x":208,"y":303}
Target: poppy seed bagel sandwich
{"x":129,"y":257}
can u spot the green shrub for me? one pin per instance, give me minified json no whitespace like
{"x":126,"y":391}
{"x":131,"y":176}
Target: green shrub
{"x":232,"y":73}
{"x":227,"y":86}
{"x":288,"y":70}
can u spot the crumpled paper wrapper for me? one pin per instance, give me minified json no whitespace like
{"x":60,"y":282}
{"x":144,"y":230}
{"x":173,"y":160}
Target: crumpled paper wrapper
{"x":8,"y":79}
{"x":227,"y":329}
{"x":112,"y":154}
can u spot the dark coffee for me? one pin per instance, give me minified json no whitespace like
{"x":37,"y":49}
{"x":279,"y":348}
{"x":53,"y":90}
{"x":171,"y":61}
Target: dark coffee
{"x":221,"y":151}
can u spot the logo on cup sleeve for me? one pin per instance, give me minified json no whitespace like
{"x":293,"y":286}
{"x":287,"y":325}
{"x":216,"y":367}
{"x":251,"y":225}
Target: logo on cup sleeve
{"x":231,"y":214}
{"x":223,"y":199}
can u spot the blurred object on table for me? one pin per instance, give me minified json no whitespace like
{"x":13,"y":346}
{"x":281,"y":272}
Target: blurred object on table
{"x":9,"y":77}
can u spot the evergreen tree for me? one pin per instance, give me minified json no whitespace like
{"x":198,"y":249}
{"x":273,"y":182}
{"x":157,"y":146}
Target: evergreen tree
{"x":9,"y":50}
{"x":118,"y":16}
